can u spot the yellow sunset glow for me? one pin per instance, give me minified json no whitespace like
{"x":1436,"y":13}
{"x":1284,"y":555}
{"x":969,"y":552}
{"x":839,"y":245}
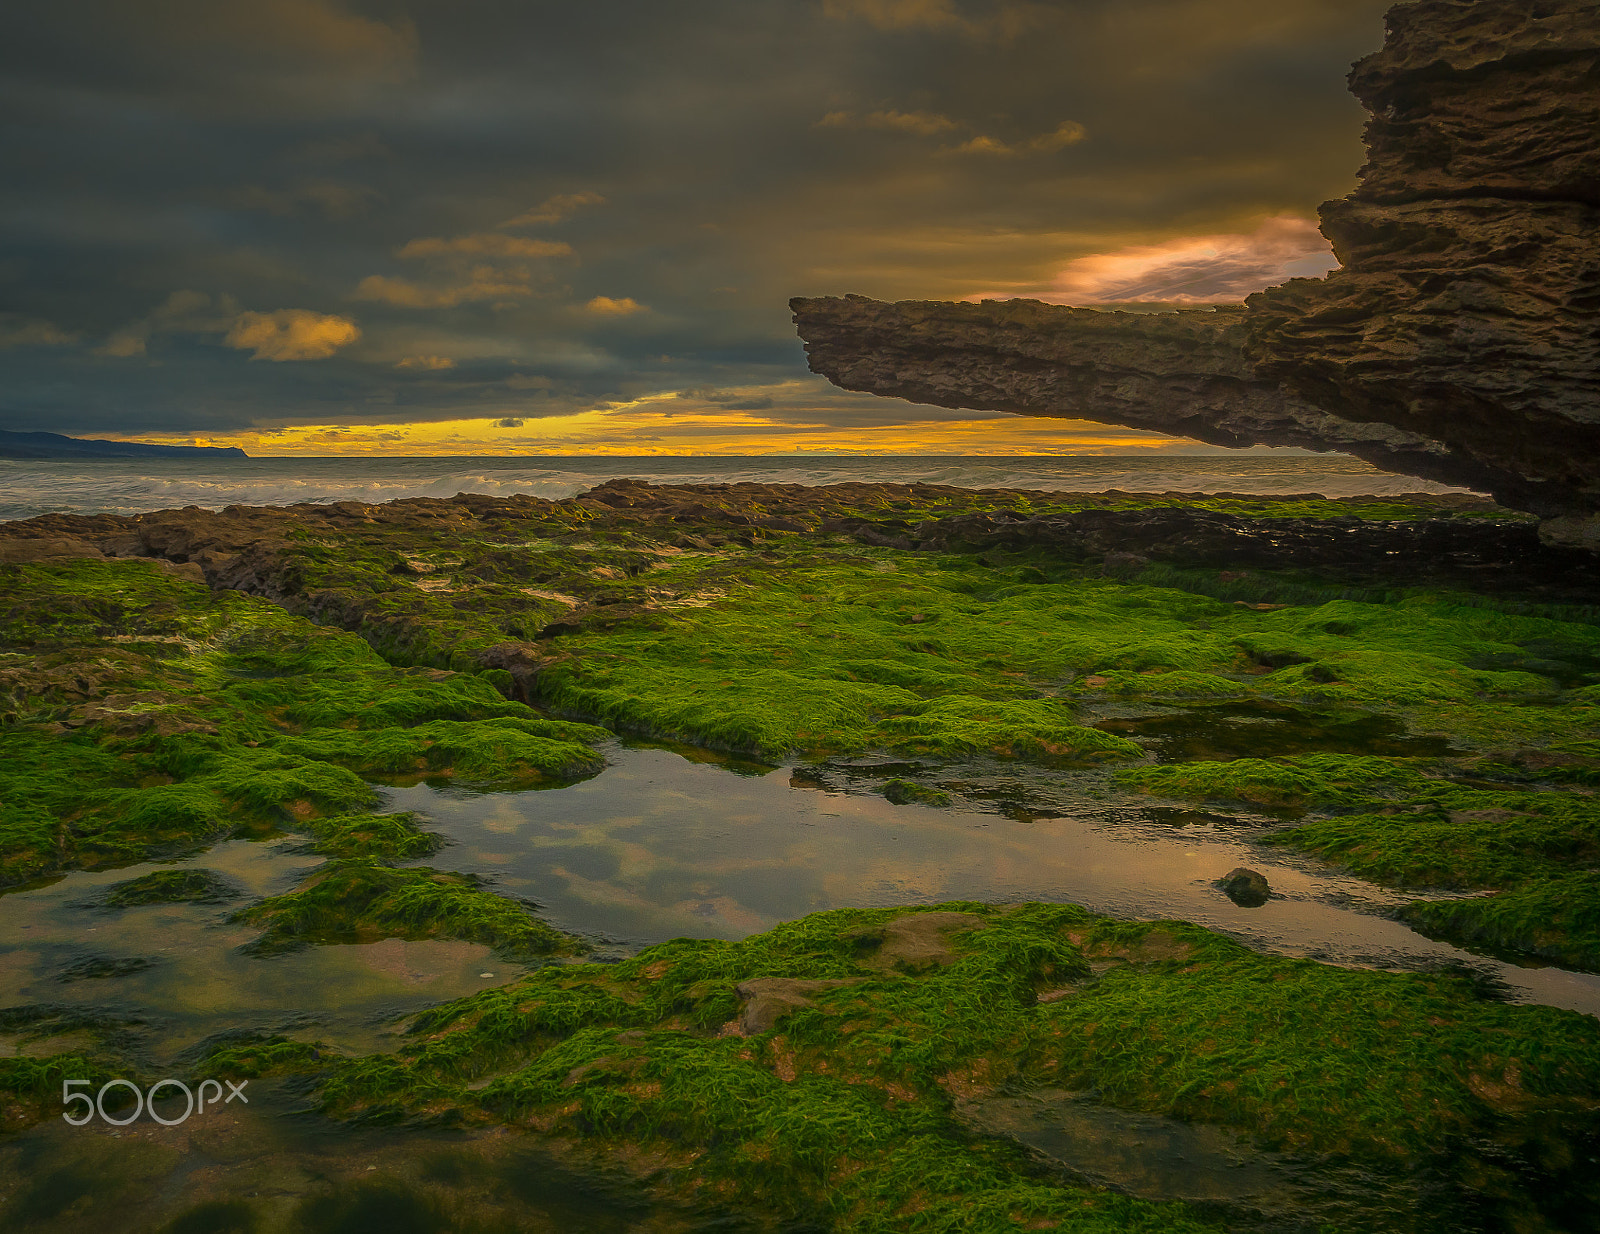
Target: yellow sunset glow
{"x":665,"y":424}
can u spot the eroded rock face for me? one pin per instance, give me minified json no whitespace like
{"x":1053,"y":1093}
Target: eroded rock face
{"x":1459,"y":341}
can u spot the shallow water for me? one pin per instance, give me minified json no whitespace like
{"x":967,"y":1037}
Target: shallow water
{"x":663,"y":843}
{"x":265,"y":1167}
{"x":194,"y":981}
{"x":660,"y":846}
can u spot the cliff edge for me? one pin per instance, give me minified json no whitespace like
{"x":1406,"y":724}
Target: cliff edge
{"x":1458,"y":341}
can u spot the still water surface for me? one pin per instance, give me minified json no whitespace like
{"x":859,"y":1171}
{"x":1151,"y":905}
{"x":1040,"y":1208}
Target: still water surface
{"x":660,"y":845}
{"x":665,"y":842}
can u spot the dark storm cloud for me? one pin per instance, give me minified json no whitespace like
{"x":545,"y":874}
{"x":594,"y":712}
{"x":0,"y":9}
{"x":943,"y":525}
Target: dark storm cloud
{"x":222,"y":213}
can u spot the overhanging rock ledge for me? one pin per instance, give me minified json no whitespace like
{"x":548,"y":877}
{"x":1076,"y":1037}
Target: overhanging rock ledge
{"x":1459,"y":340}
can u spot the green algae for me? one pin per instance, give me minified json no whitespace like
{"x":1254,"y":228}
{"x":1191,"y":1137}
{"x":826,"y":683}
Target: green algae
{"x":358,"y":900}
{"x":1302,"y":1054}
{"x":261,"y":719}
{"x":829,"y":1113}
{"x":1455,"y":837}
{"x":961,"y":726}
{"x":845,"y":651}
{"x":503,"y":749}
{"x":97,"y":968}
{"x":1557,"y":918}
{"x":262,"y":1056}
{"x":907,"y":792}
{"x":172,"y":887}
{"x":387,"y":837}
{"x":844,"y":1113}
{"x":844,"y":658}
{"x":31,"y":1088}
{"x":149,"y":715}
{"x":1292,"y":783}
{"x":1410,"y":826}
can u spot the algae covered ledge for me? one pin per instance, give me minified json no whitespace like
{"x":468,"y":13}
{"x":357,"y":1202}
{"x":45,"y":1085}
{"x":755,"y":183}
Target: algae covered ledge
{"x":1319,"y":672}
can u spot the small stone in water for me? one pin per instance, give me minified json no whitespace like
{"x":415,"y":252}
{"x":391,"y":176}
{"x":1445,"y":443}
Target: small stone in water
{"x":1246,"y":888}
{"x":486,"y":974}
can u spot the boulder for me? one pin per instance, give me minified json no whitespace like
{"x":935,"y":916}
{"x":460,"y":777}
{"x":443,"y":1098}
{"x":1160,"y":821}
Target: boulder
{"x":1246,"y":888}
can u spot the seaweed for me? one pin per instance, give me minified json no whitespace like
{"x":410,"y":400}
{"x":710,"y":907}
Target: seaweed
{"x":906,"y":792}
{"x":149,"y":716}
{"x":1556,"y":917}
{"x":31,"y":1087}
{"x":387,"y":837}
{"x":358,"y":900}
{"x":841,"y":1100}
{"x":172,"y":887}
{"x":1409,"y":828}
{"x":261,"y":1056}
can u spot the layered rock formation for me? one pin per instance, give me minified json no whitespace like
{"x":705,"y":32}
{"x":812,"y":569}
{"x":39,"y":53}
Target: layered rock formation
{"x":1459,"y":340}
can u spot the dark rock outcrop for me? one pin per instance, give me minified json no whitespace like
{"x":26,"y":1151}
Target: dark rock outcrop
{"x":1445,"y":541}
{"x":1459,"y":340}
{"x":1245,"y":887}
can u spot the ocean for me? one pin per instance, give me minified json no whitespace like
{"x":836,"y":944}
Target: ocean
{"x":133,"y":486}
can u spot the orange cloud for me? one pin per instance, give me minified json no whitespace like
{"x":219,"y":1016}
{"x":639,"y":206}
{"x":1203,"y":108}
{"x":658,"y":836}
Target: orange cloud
{"x":923,"y":123}
{"x":984,"y":145}
{"x":1067,"y":133}
{"x":485,"y":244}
{"x":607,"y":307}
{"x":184,"y":311}
{"x":17,"y":331}
{"x":555,"y":209}
{"x":1199,"y":269}
{"x":931,"y":124}
{"x":484,"y":283}
{"x":291,"y":334}
{"x":1006,"y":19}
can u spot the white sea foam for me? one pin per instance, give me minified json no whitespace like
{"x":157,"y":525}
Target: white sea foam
{"x":132,"y":486}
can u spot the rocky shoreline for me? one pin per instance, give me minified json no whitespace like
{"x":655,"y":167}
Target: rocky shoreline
{"x":170,"y":679}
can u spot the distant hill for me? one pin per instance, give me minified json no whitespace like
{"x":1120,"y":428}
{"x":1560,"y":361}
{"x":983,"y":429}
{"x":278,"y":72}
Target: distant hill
{"x":54,"y":445}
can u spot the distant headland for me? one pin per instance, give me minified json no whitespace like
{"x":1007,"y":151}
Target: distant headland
{"x":54,"y":445}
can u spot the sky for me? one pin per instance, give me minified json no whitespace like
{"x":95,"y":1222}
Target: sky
{"x":522,"y":226}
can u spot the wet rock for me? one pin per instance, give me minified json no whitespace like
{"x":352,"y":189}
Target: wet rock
{"x":769,"y":999}
{"x":189,"y":886}
{"x":1459,"y":552}
{"x":908,"y":792}
{"x":260,"y":550}
{"x":18,"y":552}
{"x":100,"y":967}
{"x":1246,"y":888}
{"x":916,"y":942}
{"x":1457,"y":341}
